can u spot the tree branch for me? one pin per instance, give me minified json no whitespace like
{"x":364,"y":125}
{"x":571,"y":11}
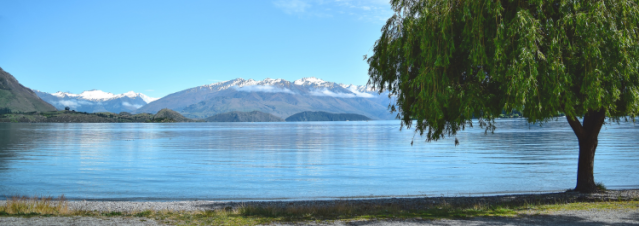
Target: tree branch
{"x":576,"y":126}
{"x":593,"y":121}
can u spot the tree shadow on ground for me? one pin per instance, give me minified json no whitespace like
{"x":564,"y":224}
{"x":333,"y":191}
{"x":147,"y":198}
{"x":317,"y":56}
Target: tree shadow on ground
{"x":632,"y":219}
{"x":471,"y":212}
{"x":492,"y":210}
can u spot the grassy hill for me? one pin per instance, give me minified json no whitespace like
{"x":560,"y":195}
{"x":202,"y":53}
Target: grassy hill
{"x":17,"y":98}
{"x":168,"y":115}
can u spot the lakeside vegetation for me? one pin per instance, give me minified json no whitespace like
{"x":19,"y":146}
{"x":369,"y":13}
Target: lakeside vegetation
{"x":164,"y":115}
{"x":325,"y":116}
{"x":238,"y":116}
{"x":340,"y":210}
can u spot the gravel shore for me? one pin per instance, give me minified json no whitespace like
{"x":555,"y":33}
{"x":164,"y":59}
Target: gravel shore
{"x":563,"y":218}
{"x":64,"y":221}
{"x":586,"y":217}
{"x":404,"y":203}
{"x":567,"y":218}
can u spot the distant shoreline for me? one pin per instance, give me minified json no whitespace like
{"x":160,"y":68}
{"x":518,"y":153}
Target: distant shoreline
{"x":167,"y":115}
{"x":83,"y":117}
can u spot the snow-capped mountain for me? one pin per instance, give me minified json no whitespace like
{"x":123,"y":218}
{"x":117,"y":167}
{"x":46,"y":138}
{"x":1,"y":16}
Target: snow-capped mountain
{"x":99,"y":95}
{"x":312,"y":86}
{"x":96,"y":101}
{"x":279,"y":97}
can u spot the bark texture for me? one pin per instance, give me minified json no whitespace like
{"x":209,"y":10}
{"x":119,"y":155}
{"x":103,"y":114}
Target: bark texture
{"x":587,"y":134}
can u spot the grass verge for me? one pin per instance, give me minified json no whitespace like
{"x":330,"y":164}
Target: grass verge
{"x":35,"y":206}
{"x":344,"y":211}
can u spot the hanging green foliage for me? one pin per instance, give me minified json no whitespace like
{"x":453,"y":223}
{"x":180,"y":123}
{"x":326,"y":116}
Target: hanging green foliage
{"x":449,"y":61}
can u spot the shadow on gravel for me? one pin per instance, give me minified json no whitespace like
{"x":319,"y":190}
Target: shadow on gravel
{"x":461,"y":201}
{"x":633,"y":217}
{"x":523,"y":220}
{"x":218,"y":206}
{"x":464,"y":210}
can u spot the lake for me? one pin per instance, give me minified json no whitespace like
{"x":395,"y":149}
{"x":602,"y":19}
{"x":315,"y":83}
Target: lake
{"x":305,"y":160}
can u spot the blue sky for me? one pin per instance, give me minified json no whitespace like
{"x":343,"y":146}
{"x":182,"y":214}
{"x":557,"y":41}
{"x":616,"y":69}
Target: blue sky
{"x":160,"y":47}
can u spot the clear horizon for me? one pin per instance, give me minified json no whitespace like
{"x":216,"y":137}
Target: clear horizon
{"x":161,"y":47}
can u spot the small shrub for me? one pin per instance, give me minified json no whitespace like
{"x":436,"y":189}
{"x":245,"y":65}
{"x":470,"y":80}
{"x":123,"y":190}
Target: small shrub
{"x":111,"y":214}
{"x":145,"y":213}
{"x":601,"y":187}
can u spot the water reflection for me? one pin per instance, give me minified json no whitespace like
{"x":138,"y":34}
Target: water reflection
{"x":12,"y":140}
{"x":298,"y":160}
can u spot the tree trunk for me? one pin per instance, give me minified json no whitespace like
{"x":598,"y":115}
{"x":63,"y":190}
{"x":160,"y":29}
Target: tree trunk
{"x":587,"y":134}
{"x":585,"y":177}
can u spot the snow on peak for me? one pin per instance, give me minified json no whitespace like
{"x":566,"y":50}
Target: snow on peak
{"x":309,"y":81}
{"x":63,"y":94}
{"x":225,"y":84}
{"x":359,"y":91}
{"x":130,"y":94}
{"x":312,"y":85}
{"x":365,"y":88}
{"x":249,"y":82}
{"x":270,"y":81}
{"x":96,"y":95}
{"x":99,"y":95}
{"x":148,"y":99}
{"x":240,"y":82}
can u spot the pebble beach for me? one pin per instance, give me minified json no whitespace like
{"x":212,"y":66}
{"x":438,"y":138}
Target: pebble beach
{"x":578,"y":217}
{"x":404,"y":203}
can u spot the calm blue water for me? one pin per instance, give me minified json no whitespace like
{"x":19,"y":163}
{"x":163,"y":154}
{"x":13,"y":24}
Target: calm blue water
{"x":309,"y":160}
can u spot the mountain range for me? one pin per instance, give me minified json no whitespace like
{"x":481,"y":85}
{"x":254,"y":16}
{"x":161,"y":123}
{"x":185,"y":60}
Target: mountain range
{"x":96,"y":101}
{"x":278,"y":97}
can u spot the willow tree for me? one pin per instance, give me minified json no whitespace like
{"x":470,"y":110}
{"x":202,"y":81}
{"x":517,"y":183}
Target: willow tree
{"x":449,"y":61}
